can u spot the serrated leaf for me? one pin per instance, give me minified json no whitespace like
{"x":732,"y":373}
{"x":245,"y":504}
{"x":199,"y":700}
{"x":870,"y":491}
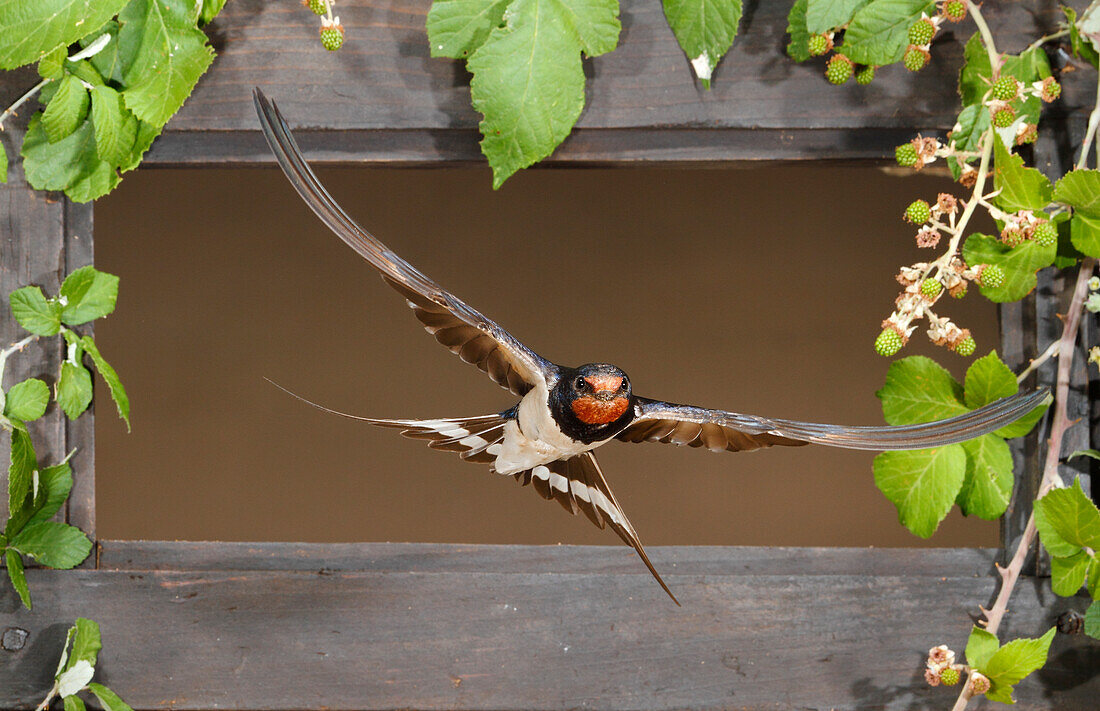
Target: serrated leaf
{"x":89,"y":294}
{"x":1048,"y":536}
{"x":824,"y":15}
{"x":110,"y":377}
{"x":53,"y":544}
{"x":458,"y":27}
{"x":798,"y":49}
{"x":27,"y":400}
{"x":108,"y":62}
{"x":210,"y":10}
{"x":1071,"y":514}
{"x":1092,"y":620}
{"x":1021,"y":188}
{"x":1014,"y":661}
{"x":54,"y":485}
{"x":18,"y":580}
{"x":1025,"y":424}
{"x":922,"y":484}
{"x":67,"y":109}
{"x":51,"y":66}
{"x":879,"y":32}
{"x":528,"y":82}
{"x":1019,"y":264}
{"x":987,"y":487}
{"x":72,"y":164}
{"x":980,"y":647}
{"x":20,"y":470}
{"x":973,"y":121}
{"x":1094,"y":454}
{"x":72,"y":680}
{"x":146,"y":134}
{"x":86,"y":643}
{"x":30,"y":29}
{"x":1085,"y":234}
{"x":115,"y":126}
{"x":1080,"y":46}
{"x":917,"y":390}
{"x":988,"y":379}
{"x":1067,"y":575}
{"x":33,"y":312}
{"x":705,"y":30}
{"x":73,"y":703}
{"x":169,"y":56}
{"x":110,"y":700}
{"x":74,"y":389}
{"x":1028,"y":67}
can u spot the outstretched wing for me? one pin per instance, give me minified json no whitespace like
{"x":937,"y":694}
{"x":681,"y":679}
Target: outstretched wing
{"x":475,"y":338}
{"x":578,"y":484}
{"x":719,"y":430}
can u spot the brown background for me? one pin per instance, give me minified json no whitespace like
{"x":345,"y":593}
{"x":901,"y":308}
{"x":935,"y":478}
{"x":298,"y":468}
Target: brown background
{"x":758,"y":290}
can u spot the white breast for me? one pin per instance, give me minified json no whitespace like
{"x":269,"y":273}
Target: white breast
{"x":533,"y":438}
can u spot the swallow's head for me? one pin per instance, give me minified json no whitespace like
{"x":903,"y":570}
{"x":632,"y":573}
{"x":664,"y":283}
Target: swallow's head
{"x":596,"y":394}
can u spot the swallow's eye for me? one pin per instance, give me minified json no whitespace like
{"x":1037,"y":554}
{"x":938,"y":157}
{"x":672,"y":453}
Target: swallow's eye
{"x":578,"y":383}
{"x":625,"y":385}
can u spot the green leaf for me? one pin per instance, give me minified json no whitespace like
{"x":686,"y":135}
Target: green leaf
{"x":210,"y":10}
{"x":1092,"y":578}
{"x":1067,"y":575}
{"x":27,"y":400}
{"x":988,"y":379}
{"x":109,"y":699}
{"x":1019,"y":264}
{"x":980,"y":647}
{"x":73,"y":703}
{"x":879,"y":32}
{"x":146,"y":134}
{"x":919,"y":390}
{"x":72,"y":164}
{"x":1085,"y":234}
{"x":1084,"y":453}
{"x":1021,"y":188}
{"x":1072,"y":515}
{"x":1025,"y":424}
{"x":3,"y":164}
{"x":86,"y":643}
{"x":18,"y":579}
{"x":118,"y":393}
{"x":51,"y":66}
{"x":1080,"y":189}
{"x":458,"y":27}
{"x":1048,"y":536}
{"x":528,"y":82}
{"x":1080,"y":46}
{"x":987,"y":488}
{"x":705,"y":30}
{"x":973,"y":121}
{"x":28,"y":30}
{"x":34,"y":313}
{"x":169,"y":55}
{"x":21,"y":469}
{"x":89,"y":294}
{"x":66,"y":110}
{"x":1028,"y":67}
{"x":115,"y":126}
{"x":1092,"y":620}
{"x":53,"y":544}
{"x":1014,"y":661}
{"x":922,"y":484}
{"x":824,"y":15}
{"x":798,"y":49}
{"x":54,"y":485}
{"x":109,"y":60}
{"x":74,"y":389}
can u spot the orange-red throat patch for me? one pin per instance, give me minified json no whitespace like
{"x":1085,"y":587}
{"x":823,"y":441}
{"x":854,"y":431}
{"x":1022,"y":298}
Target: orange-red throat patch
{"x":599,"y":412}
{"x":601,"y":383}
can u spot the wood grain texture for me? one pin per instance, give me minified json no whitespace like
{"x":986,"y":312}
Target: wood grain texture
{"x":433,"y":638}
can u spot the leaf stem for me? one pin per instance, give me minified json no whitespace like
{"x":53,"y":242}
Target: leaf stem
{"x":1046,"y":38}
{"x":14,"y":348}
{"x":1036,"y":363}
{"x":987,"y":36}
{"x":46,"y":701}
{"x":22,"y":100}
{"x":1090,"y":132}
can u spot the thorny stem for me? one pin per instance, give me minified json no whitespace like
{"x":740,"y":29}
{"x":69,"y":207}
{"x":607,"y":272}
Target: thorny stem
{"x":1051,"y":479}
{"x":22,"y":100}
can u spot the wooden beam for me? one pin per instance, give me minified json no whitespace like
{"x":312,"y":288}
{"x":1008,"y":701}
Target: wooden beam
{"x":482,"y":627}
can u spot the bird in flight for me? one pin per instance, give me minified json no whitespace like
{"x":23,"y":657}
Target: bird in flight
{"x":547,"y":439}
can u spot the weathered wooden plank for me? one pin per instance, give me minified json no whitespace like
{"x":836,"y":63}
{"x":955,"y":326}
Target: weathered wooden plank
{"x":456,"y":558}
{"x":80,"y":434}
{"x":470,"y":640}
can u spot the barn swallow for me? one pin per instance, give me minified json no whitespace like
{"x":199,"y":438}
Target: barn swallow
{"x":548,"y":437}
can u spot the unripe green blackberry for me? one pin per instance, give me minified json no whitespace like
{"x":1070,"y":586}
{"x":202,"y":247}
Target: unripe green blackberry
{"x":953,"y":10}
{"x":1045,"y":234}
{"x":992,"y":276}
{"x":818,"y":45}
{"x":921,"y":32}
{"x":931,"y":288}
{"x":906,"y":155}
{"x":1051,"y":90}
{"x":1006,"y":88}
{"x":949,"y":676}
{"x":915,"y":58}
{"x":958,"y":291}
{"x":888,"y":342}
{"x":316,"y":6}
{"x":918,"y":212}
{"x":332,"y":37}
{"x":965,"y":348}
{"x":865,"y":76}
{"x":839,"y":69}
{"x":1004,"y":117}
